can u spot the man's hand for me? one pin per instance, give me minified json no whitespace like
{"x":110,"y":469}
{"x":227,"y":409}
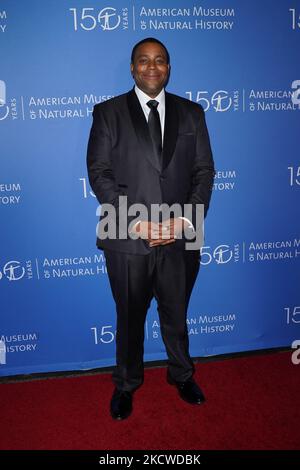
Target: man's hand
{"x":170,"y":230}
{"x":161,"y":233}
{"x":175,"y":227}
{"x":155,"y":234}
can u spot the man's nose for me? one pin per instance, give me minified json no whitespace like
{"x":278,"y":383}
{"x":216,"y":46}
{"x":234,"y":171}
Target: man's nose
{"x":152,"y":64}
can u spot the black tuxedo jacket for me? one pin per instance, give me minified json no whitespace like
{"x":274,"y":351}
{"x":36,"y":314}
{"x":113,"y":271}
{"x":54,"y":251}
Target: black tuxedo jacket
{"x":120,"y":160}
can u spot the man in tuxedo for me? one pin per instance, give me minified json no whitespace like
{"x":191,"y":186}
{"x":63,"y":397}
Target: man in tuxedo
{"x":150,"y":147}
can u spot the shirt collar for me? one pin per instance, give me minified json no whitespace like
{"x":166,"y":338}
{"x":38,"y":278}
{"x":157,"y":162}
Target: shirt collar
{"x":143,"y":98}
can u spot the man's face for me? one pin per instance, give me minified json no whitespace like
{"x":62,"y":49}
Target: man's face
{"x":150,"y":69}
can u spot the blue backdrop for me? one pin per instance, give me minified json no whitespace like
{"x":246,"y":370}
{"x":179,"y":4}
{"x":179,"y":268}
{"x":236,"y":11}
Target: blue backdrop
{"x":59,"y":58}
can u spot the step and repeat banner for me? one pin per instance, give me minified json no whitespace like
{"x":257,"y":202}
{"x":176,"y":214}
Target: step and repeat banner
{"x":239,"y":60}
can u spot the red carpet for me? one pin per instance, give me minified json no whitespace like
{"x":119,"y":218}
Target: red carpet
{"x":252,"y":403}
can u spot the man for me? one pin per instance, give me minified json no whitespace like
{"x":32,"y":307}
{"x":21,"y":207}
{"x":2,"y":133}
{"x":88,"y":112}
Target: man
{"x":152,"y":147}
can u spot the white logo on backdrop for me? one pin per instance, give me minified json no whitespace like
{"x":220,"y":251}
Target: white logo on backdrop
{"x":4,"y":110}
{"x":219,"y":100}
{"x":296,"y":93}
{"x":109,"y":19}
{"x":222,"y":254}
{"x":2,"y":352}
{"x":89,"y":19}
{"x":13,"y":270}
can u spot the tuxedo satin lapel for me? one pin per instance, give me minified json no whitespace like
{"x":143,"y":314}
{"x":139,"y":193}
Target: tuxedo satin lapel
{"x":141,"y":127}
{"x":171,"y":130}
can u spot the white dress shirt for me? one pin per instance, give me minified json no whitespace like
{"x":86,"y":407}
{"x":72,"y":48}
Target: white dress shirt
{"x":161,"y":107}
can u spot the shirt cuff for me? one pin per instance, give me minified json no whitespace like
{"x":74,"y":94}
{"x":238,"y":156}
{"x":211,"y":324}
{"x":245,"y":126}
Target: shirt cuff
{"x":189,"y":222}
{"x":133,"y":228}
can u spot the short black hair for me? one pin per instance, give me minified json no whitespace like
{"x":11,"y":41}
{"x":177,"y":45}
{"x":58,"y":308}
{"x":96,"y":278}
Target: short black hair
{"x":143,"y":41}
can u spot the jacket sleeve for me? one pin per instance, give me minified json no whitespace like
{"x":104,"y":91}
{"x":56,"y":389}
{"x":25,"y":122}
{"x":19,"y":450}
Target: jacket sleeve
{"x":100,"y":168}
{"x":99,"y":164}
{"x":203,"y":171}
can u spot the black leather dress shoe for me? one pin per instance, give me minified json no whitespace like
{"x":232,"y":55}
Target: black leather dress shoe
{"x":188,"y":391}
{"x":121,"y":404}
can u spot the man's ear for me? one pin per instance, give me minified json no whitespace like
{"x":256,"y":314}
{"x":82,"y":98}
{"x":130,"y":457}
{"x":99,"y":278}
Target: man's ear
{"x":131,"y":69}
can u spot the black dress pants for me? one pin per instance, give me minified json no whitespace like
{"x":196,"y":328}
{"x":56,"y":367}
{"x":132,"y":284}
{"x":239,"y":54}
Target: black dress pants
{"x":168,"y":275}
